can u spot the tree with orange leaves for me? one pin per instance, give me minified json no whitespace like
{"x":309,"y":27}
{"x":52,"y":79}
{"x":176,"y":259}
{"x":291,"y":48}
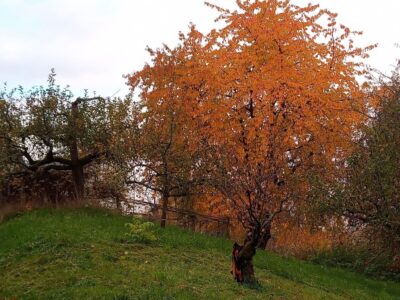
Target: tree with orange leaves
{"x":169,"y":156}
{"x":274,"y":95}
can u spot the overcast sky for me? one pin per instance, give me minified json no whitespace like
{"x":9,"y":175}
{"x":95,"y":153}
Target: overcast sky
{"x":92,"y":43}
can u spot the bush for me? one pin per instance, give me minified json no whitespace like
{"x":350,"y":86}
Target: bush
{"x":361,"y":259}
{"x":300,"y":242}
{"x":361,"y":251}
{"x":142,"y":231}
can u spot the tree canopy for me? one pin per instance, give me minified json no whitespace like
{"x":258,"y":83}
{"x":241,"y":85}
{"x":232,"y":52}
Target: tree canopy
{"x":47,"y":130}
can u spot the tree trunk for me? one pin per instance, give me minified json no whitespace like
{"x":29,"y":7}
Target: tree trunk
{"x":242,"y":256}
{"x":118,"y":203}
{"x":265,"y":237}
{"x":164,"y":210}
{"x":77,"y":169}
{"x":242,"y":262}
{"x":78,"y":178}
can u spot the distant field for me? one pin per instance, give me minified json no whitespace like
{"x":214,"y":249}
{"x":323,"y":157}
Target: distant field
{"x":82,"y":254}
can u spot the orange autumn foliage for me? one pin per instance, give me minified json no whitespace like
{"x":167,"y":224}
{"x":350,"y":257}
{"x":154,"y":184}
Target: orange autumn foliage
{"x":273,"y":95}
{"x":301,"y":242}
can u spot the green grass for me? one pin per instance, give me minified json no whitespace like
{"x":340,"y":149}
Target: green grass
{"x":83,"y":254}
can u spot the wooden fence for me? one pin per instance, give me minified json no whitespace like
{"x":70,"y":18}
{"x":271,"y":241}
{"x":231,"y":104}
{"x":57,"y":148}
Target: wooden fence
{"x":194,"y":221}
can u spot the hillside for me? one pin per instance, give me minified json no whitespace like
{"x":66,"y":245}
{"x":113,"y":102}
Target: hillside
{"x":83,"y":254}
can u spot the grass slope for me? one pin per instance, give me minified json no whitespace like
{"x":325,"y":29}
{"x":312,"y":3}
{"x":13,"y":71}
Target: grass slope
{"x":81,"y":254}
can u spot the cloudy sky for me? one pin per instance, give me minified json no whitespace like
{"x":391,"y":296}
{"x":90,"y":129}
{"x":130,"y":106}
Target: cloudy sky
{"x":92,"y":43}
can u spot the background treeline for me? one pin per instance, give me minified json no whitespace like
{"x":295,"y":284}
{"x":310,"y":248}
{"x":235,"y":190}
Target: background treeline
{"x":264,"y":121}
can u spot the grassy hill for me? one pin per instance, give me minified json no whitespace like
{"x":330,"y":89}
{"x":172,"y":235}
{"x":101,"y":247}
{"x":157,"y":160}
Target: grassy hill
{"x":83,"y":254}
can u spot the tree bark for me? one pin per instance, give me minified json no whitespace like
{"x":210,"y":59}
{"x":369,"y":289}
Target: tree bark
{"x":78,"y":178}
{"x":265,"y":237}
{"x":242,"y":262}
{"x":242,"y":256}
{"x":77,"y":168}
{"x":164,"y":210}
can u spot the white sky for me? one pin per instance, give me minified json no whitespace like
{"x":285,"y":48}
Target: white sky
{"x":92,"y":43}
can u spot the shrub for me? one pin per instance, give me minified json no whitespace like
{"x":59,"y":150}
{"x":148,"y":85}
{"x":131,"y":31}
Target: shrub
{"x":300,"y":242}
{"x":361,"y":257}
{"x":142,"y":231}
